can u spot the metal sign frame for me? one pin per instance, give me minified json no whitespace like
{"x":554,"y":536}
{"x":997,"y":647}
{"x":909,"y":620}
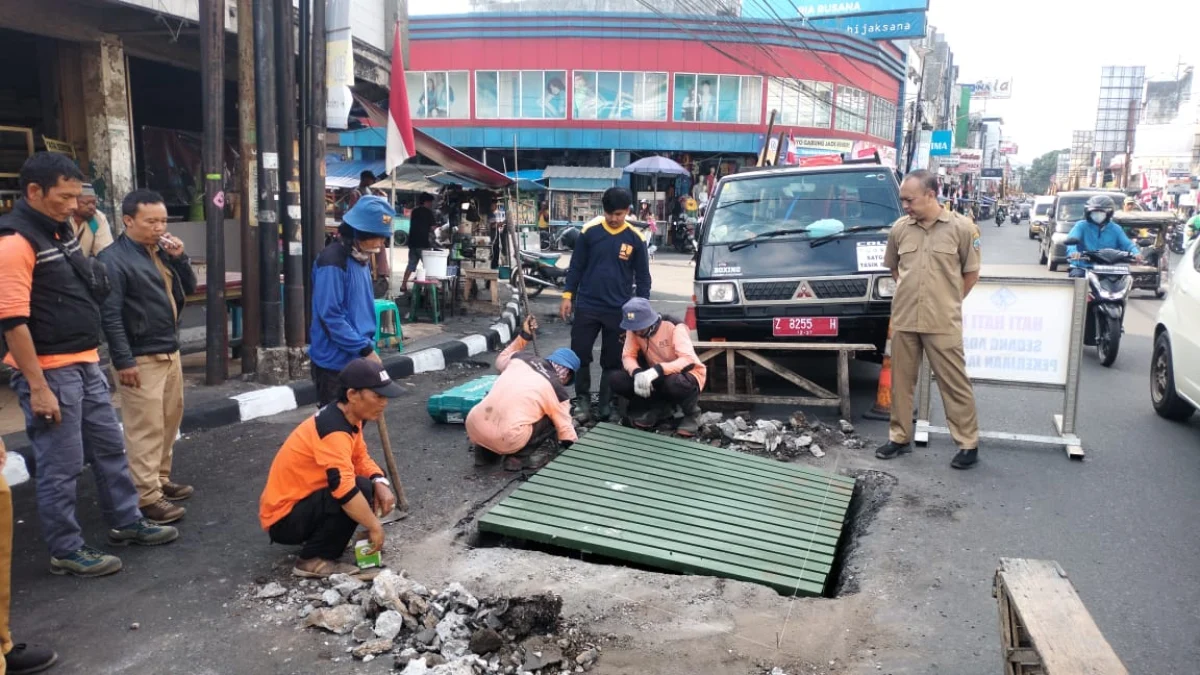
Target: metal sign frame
{"x":1064,"y":422}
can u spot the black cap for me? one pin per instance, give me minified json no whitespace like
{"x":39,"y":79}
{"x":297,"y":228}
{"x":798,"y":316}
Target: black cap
{"x":367,"y":374}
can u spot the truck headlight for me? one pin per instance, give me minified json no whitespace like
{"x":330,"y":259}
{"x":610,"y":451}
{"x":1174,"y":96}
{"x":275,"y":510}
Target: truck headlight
{"x":721,"y":293}
{"x":885,"y":287}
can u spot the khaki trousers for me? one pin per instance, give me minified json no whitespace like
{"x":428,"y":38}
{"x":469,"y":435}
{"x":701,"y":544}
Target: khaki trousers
{"x":945,"y":354}
{"x":151,"y":415}
{"x":6,"y":536}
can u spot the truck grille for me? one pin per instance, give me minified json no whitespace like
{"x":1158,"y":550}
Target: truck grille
{"x":834,"y":289}
{"x":771,"y":290}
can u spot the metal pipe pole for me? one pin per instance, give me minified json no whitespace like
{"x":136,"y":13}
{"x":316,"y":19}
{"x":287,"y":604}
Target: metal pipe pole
{"x":314,"y":235}
{"x":268,"y":170}
{"x":212,"y":65}
{"x":251,"y":302}
{"x":293,"y":246}
{"x":306,"y":101}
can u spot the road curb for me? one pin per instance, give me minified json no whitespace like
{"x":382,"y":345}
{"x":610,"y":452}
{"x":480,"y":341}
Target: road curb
{"x":269,"y":401}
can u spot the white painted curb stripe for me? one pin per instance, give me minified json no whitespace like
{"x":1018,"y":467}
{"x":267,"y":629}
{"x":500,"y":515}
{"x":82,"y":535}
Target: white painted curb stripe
{"x":265,"y":402}
{"x":476,"y":344}
{"x":427,"y":360}
{"x":504,"y":331}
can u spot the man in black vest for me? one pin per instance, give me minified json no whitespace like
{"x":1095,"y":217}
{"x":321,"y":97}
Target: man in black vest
{"x":50,"y":315}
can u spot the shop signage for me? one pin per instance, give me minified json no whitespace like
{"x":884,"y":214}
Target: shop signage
{"x":1008,"y":148}
{"x":876,"y":26}
{"x":969,"y":160}
{"x":790,"y":9}
{"x":939,"y":145}
{"x":991,"y":173}
{"x":998,"y":87}
{"x":835,"y":144}
{"x":1018,"y":333}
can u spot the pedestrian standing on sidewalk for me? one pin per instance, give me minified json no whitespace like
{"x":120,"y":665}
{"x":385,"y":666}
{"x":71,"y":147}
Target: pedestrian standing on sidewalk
{"x":23,"y":657}
{"x":90,"y":226}
{"x":934,"y":257}
{"x":609,"y":266}
{"x":420,"y":235}
{"x":50,"y":314}
{"x":323,"y":482}
{"x":151,"y":277}
{"x":343,"y":317}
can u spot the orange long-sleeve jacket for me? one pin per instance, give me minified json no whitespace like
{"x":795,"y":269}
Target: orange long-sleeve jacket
{"x":670,"y":348}
{"x":503,"y":421}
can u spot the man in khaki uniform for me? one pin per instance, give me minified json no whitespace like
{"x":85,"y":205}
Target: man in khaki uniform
{"x":934,"y":257}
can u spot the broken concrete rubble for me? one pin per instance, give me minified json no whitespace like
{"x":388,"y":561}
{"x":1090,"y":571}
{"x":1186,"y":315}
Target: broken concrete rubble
{"x":340,"y":619}
{"x":798,"y":437}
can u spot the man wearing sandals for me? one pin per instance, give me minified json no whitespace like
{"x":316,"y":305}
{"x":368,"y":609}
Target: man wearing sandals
{"x":323,"y":484}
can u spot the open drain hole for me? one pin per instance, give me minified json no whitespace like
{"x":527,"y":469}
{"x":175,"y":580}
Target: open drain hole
{"x":872,"y":490}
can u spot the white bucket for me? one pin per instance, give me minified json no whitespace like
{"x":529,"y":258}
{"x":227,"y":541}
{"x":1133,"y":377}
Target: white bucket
{"x":434,"y":262}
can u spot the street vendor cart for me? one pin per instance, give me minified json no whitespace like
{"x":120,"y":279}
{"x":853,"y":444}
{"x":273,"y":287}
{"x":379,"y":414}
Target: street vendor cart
{"x":1148,"y":229}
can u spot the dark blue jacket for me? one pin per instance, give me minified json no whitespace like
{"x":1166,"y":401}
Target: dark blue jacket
{"x":606,"y":266}
{"x":343,"y":325}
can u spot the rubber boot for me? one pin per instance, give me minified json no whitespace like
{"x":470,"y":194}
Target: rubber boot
{"x":583,"y":395}
{"x":689,"y":426}
{"x":604,"y":407}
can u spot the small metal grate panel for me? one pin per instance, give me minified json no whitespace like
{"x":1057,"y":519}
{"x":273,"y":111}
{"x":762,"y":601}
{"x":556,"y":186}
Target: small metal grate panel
{"x":683,"y":506}
{"x":770,"y":290}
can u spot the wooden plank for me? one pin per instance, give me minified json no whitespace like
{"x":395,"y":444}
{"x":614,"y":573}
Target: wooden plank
{"x":798,"y":380}
{"x":708,"y":355}
{"x":683,"y":506}
{"x":769,"y":400}
{"x":730,"y":374}
{"x":1060,"y":628}
{"x":786,"y":346}
{"x":844,"y":383}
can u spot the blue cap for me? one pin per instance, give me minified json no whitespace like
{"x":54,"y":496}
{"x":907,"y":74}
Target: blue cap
{"x":637,"y":314}
{"x":371,"y":215}
{"x":566,"y":358}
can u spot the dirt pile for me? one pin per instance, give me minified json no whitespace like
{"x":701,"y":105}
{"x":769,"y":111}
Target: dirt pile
{"x":439,"y":632}
{"x":774,"y":439}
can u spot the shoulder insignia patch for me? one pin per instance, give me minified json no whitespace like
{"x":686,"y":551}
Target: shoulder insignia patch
{"x":976,"y":243}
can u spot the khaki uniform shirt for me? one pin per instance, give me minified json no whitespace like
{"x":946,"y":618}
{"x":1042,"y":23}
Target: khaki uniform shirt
{"x":931,"y":260}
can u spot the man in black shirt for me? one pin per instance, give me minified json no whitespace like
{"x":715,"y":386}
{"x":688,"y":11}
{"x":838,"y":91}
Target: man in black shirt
{"x":420,"y":233}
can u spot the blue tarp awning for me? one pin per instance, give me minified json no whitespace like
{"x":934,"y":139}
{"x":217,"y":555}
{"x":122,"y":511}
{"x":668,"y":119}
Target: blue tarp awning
{"x":346,"y":174}
{"x":528,"y":180}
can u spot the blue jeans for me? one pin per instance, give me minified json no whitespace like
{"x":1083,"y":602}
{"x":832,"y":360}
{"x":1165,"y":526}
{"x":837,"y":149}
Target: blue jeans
{"x":88,"y":432}
{"x":1077,"y":273}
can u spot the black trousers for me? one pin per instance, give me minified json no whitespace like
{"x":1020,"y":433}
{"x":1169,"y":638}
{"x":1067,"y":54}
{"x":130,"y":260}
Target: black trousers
{"x":328,"y":385}
{"x":319,"y":523}
{"x":669,"y":389}
{"x":587,"y":326}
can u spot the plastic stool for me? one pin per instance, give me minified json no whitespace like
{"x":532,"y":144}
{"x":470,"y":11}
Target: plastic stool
{"x":394,"y":336}
{"x":425,"y":296}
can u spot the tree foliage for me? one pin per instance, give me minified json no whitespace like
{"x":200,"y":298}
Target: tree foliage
{"x":1041,"y":172}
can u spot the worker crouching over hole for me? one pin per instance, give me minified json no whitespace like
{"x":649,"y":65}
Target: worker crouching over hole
{"x":661,"y":369}
{"x":527,"y":404}
{"x":323,"y":483}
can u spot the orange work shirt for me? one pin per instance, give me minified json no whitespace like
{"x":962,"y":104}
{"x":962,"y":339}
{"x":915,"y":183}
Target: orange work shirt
{"x":670,"y":348}
{"x":325,"y":451}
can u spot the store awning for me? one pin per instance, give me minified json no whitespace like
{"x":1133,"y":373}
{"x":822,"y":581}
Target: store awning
{"x":425,"y":178}
{"x":346,"y":174}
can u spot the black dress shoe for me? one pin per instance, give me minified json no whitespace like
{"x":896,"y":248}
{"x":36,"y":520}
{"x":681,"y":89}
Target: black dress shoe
{"x":965,"y":459}
{"x":26,"y":658}
{"x":891,"y":450}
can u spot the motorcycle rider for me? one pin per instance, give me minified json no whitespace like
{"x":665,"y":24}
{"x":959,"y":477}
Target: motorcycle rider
{"x":1095,"y":232}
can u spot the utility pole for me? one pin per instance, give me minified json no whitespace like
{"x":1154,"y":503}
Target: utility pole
{"x":251,"y":308}
{"x":212,"y":64}
{"x":272,"y":362}
{"x":1130,"y":129}
{"x":306,"y":96}
{"x":314,"y":166}
{"x":293,"y":246}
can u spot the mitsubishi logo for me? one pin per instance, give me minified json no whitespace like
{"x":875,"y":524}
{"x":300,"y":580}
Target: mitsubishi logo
{"x":805,"y":291}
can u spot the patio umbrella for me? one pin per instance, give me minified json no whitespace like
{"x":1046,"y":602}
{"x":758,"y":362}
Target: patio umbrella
{"x":656,"y":166}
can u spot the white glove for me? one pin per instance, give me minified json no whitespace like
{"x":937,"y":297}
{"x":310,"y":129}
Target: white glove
{"x":642,"y":382}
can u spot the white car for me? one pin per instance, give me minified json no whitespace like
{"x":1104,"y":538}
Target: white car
{"x":1175,"y":366}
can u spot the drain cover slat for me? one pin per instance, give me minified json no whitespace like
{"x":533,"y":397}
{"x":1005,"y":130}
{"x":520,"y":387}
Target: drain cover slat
{"x":685,"y":507}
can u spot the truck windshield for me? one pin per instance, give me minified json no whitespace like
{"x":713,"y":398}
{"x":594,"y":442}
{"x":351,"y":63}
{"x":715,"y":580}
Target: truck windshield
{"x":1042,"y":209}
{"x":817,"y":203}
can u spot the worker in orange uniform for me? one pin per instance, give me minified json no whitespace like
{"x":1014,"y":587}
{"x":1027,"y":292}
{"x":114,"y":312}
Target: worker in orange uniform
{"x":661,"y":369}
{"x":527,"y":403}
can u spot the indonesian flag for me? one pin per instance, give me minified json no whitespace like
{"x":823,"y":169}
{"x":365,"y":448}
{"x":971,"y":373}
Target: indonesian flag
{"x":400,"y":144}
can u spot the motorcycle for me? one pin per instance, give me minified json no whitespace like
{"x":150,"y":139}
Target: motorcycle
{"x":1177,"y":238}
{"x":683,"y":236}
{"x":541,"y":271}
{"x":1109,"y":283}
{"x":999,"y":217}
{"x":1016,"y":217}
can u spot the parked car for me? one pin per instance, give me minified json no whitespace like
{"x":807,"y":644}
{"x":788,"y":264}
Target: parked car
{"x":1039,"y":216}
{"x":1175,"y":366}
{"x":1068,"y":210}
{"x":796,"y":254}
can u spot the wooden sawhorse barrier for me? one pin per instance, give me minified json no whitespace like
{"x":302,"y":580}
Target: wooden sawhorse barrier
{"x":750,"y":351}
{"x":1044,"y":627}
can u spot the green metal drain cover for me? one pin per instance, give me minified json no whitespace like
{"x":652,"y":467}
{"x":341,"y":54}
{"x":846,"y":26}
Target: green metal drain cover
{"x":683,"y":506}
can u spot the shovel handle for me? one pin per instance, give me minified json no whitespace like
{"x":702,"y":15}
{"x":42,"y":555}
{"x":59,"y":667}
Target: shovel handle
{"x":390,"y":458}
